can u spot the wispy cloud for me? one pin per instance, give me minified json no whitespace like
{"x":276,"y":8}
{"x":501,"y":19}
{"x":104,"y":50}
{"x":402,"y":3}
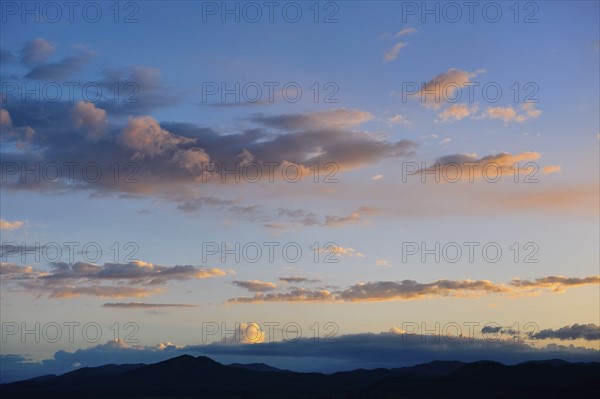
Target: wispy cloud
{"x":141,"y":305}
{"x":255,"y":285}
{"x":8,"y":225}
{"x":412,"y":290}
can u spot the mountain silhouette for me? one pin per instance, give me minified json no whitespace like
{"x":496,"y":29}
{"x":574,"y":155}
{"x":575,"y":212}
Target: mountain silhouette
{"x":201,"y":377}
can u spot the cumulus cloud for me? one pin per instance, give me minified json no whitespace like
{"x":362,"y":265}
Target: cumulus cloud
{"x":68,"y":280}
{"x":5,"y":118}
{"x":172,"y":155}
{"x":245,"y":333}
{"x":92,"y":119}
{"x":413,"y":290}
{"x":8,"y":225}
{"x":255,"y":285}
{"x":21,"y":135}
{"x":146,"y":138}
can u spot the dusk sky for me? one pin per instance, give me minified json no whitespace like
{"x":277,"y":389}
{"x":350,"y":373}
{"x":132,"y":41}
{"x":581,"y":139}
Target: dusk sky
{"x":316,"y":185}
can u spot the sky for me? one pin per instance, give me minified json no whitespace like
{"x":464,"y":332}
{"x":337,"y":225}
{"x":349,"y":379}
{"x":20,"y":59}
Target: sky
{"x":316,"y":185}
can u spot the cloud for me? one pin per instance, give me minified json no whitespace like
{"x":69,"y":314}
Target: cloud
{"x":391,"y":349}
{"x":470,"y":167}
{"x":255,"y":285}
{"x":354,"y":217}
{"x":382,"y":262}
{"x":21,"y":135}
{"x":92,"y":119}
{"x":7,"y":225}
{"x":406,"y":31}
{"x":17,"y":367}
{"x":555,"y":283}
{"x":141,"y":90}
{"x":456,"y":112}
{"x":589,"y":332}
{"x":102,"y":291}
{"x":140,"y":305}
{"x":173,"y":156}
{"x":551,"y":169}
{"x":245,"y":333}
{"x":7,"y":56}
{"x":409,"y":289}
{"x":297,"y":280}
{"x":498,"y":331}
{"x":399,"y":119}
{"x":300,"y":217}
{"x":509,"y":114}
{"x":341,"y":251}
{"x":145,"y":136}
{"x":195,"y":204}
{"x":81,"y":278}
{"x":442,"y":88}
{"x":412,"y":290}
{"x":377,"y":177}
{"x":336,"y":119}
{"x":36,"y":51}
{"x":293,"y":295}
{"x":392,"y":54}
{"x":60,"y":70}
{"x":5,"y":118}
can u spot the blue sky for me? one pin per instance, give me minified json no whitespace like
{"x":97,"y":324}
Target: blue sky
{"x":376,"y":140}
